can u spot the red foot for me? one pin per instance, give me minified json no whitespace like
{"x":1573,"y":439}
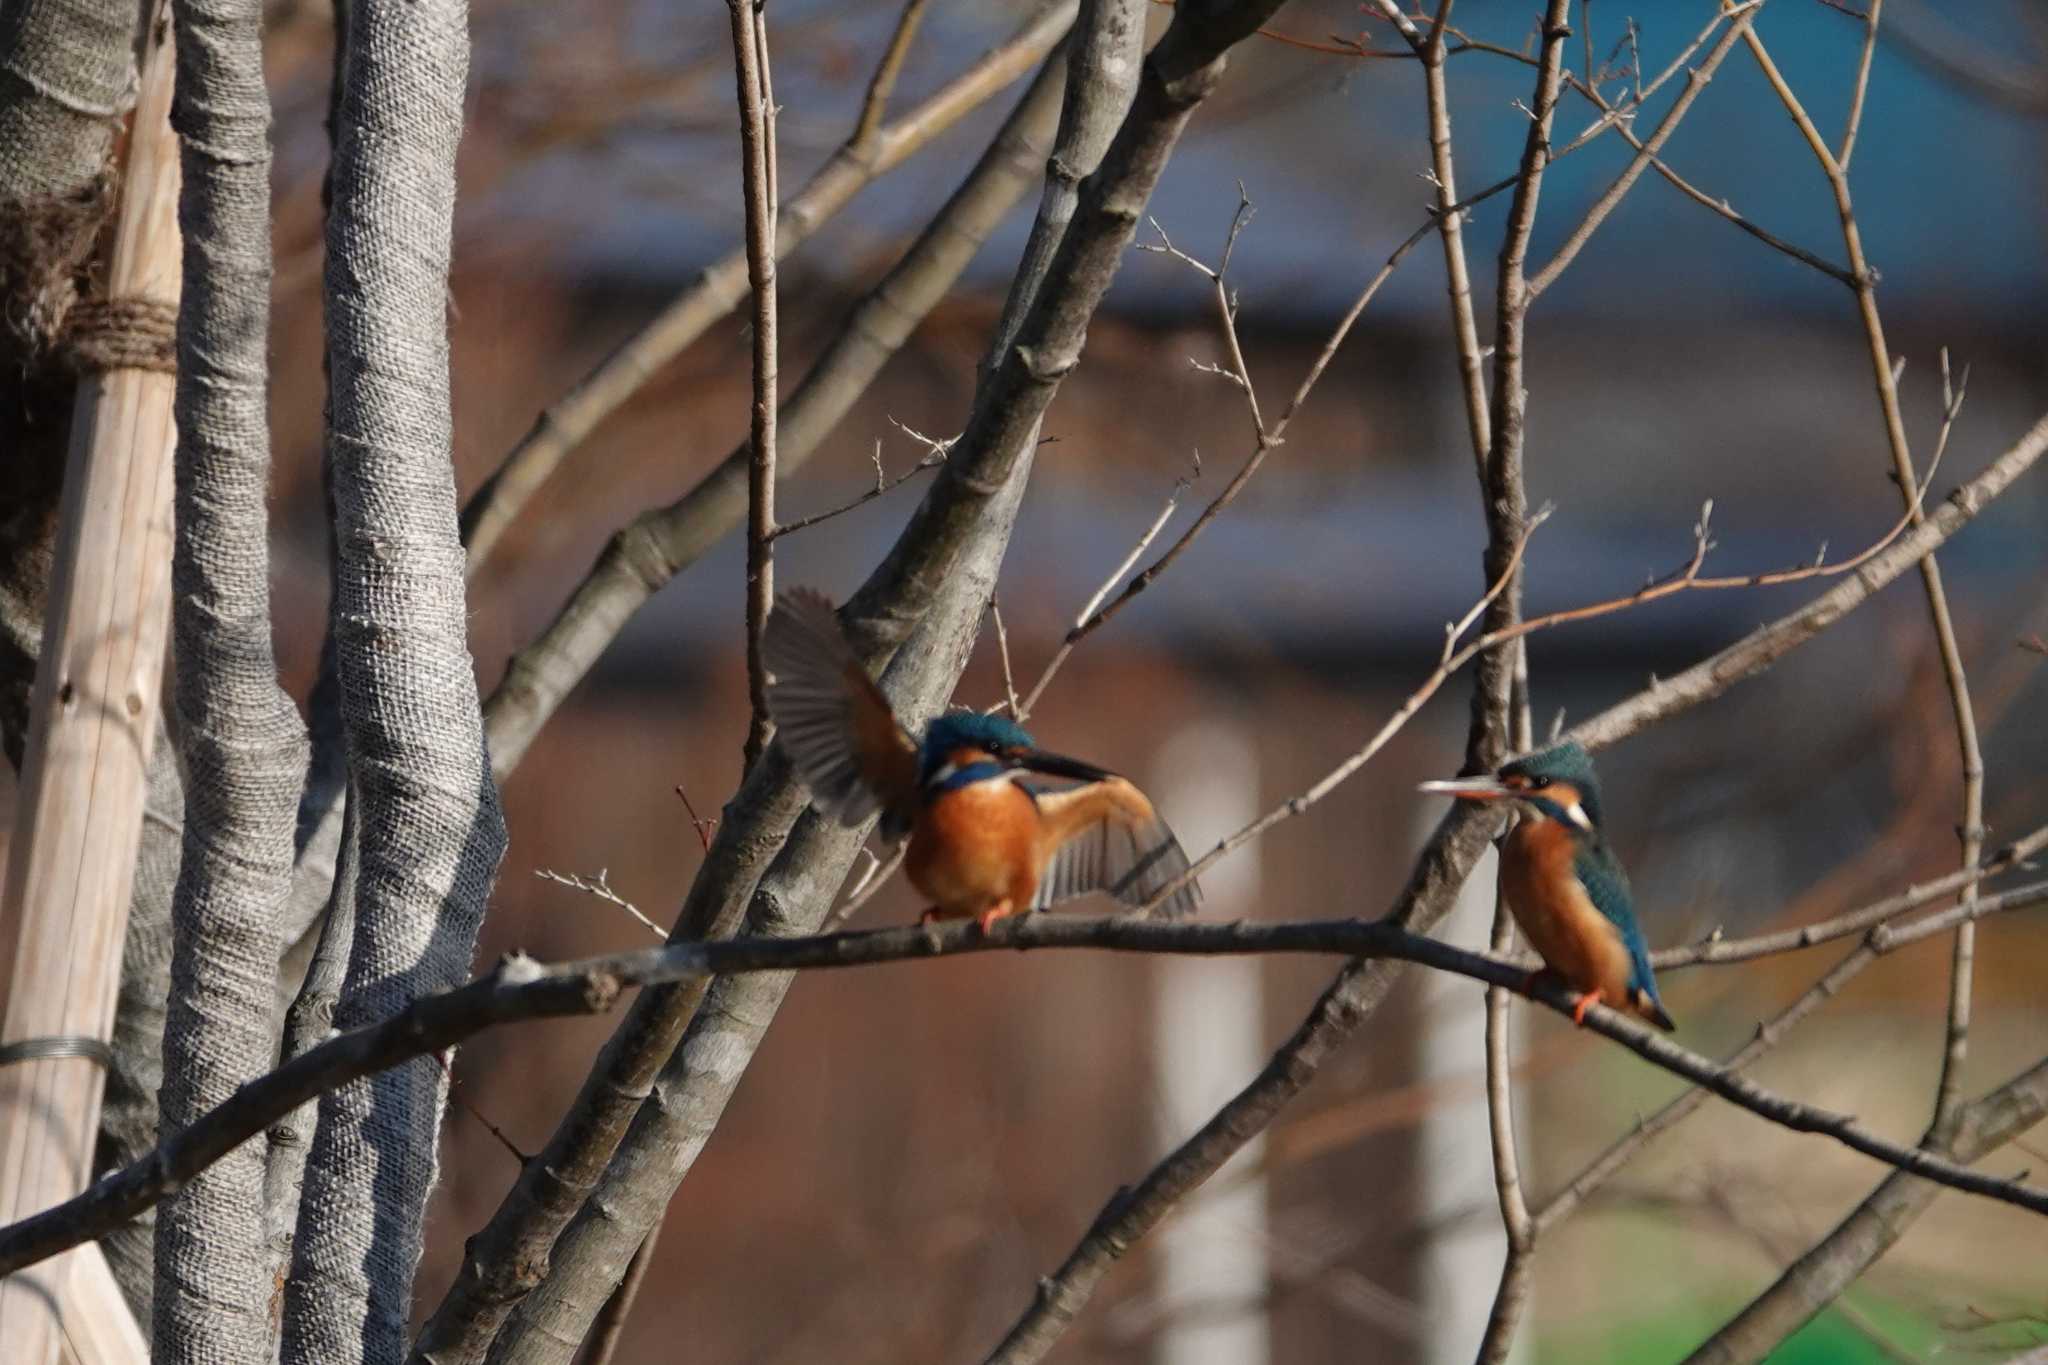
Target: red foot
{"x":987,"y":918}
{"x":929,"y":918}
{"x":1585,"y":1002}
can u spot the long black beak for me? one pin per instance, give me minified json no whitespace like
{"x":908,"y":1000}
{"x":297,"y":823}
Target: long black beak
{"x":1058,"y":765}
{"x":1471,"y":788}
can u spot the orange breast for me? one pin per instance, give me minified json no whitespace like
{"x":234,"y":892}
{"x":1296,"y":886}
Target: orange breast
{"x":1564,"y":926}
{"x":975,"y":847}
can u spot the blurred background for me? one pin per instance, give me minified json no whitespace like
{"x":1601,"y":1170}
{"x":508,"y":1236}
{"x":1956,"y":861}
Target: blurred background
{"x":914,"y":1145}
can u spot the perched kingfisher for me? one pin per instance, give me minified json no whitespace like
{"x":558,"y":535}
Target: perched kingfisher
{"x":984,"y":840}
{"x":1564,"y":885}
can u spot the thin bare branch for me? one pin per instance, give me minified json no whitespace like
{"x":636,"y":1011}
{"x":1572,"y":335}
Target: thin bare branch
{"x":600,"y":888}
{"x":1450,"y":220}
{"x":1716,"y":949}
{"x":883,"y":484}
{"x":882,"y":83}
{"x":1741,"y":17}
{"x":1517,"y":1269}
{"x":1855,"y":121}
{"x":757,"y":180}
{"x":1087,"y":612}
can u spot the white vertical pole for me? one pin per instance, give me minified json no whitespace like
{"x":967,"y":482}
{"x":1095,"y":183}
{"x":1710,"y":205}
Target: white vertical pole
{"x":1210,"y":1039}
{"x":1464,"y":1247}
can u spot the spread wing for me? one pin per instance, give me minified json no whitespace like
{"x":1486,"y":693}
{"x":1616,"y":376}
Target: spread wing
{"x":830,"y":718}
{"x":1110,"y":839}
{"x":1607,"y":887}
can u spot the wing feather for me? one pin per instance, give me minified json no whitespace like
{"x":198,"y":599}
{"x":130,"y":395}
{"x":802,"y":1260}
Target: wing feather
{"x":830,"y":718}
{"x":1600,"y":872}
{"x":1116,"y":843}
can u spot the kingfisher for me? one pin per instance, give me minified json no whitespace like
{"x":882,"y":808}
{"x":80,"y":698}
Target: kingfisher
{"x":986,"y":839}
{"x":1563,"y":883}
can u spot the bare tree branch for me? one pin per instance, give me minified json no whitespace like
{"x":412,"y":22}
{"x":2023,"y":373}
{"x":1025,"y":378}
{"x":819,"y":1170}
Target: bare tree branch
{"x":757,"y":156}
{"x":559,"y":429}
{"x":1518,"y":1267}
{"x":645,"y":555}
{"x":1445,"y":861}
{"x":1450,"y":219}
{"x":1741,"y":17}
{"x":521,"y":989}
{"x":882,"y":83}
{"x":1835,"y":1262}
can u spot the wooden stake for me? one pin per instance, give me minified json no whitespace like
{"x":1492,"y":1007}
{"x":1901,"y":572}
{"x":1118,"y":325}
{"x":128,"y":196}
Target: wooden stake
{"x":93,"y":717}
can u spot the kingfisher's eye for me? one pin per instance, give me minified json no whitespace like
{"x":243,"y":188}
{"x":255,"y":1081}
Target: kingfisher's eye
{"x":1537,"y":784}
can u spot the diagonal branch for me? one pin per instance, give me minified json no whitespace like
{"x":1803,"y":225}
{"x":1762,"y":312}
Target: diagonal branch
{"x":646,"y":554}
{"x":563,"y":426}
{"x":1442,"y":867}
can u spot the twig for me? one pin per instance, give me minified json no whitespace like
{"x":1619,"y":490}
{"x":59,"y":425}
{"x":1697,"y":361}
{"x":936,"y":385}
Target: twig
{"x":1455,"y":657}
{"x":1087,"y":612}
{"x":602,"y":890}
{"x":883,"y":484}
{"x":1449,"y":662}
{"x":1716,"y":949}
{"x":520,"y":988}
{"x":1955,"y":1051}
{"x":1450,"y":220}
{"x":1781,"y":1299}
{"x":871,"y":880}
{"x":995,"y":611}
{"x":1766,"y":645}
{"x":1728,"y":211}
{"x":470,"y":1108}
{"x":1512,"y":1296}
{"x":757,"y":159}
{"x":1741,"y":17}
{"x":1855,"y":121}
{"x":705,"y":828}
{"x":883,"y":83}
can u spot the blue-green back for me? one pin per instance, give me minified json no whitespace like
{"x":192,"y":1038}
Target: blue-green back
{"x":1600,"y":872}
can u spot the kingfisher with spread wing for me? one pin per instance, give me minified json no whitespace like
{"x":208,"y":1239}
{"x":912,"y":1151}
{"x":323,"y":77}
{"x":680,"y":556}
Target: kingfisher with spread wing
{"x":986,"y":840}
{"x":1564,"y":884}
